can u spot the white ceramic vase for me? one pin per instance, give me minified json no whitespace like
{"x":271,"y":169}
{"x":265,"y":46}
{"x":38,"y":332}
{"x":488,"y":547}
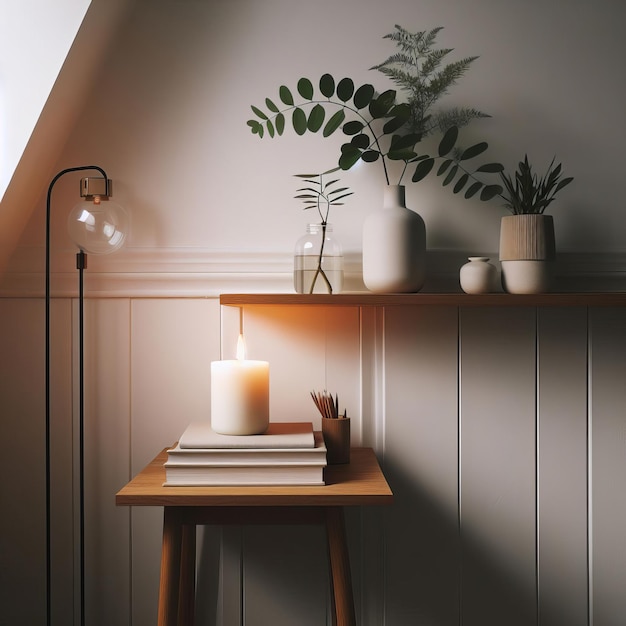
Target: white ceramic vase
{"x":394,"y":246}
{"x":478,"y":276}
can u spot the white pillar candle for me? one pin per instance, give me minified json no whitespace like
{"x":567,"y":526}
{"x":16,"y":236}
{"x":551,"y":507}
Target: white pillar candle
{"x":240,"y":395}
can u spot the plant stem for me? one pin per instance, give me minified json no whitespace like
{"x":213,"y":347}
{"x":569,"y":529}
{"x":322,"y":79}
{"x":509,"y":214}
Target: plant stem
{"x":319,"y":269}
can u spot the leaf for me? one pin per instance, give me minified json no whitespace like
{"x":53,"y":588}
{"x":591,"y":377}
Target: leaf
{"x":471,"y":191}
{"x":334,"y":123}
{"x":353,"y":127}
{"x":298,"y":120}
{"x":369,"y":156}
{"x":280,"y":123}
{"x":394,"y":124}
{"x":259,"y":113}
{"x":361,"y":141}
{"x":379,"y":107}
{"x":271,"y":106}
{"x":489,"y":192}
{"x":460,"y":183}
{"x":565,"y":181}
{"x":443,"y":167}
{"x":316,"y":118}
{"x":327,"y":85}
{"x":345,"y":195}
{"x":399,"y":142}
{"x":270,"y":128}
{"x":423,"y":169}
{"x":285,"y":95}
{"x":450,"y":177}
{"x":363,"y":96}
{"x":448,"y":140}
{"x":254,"y":126}
{"x":345,"y":89}
{"x":490,"y":168}
{"x":473,"y":151}
{"x":349,"y":156}
{"x":404,"y":154}
{"x":305,"y":88}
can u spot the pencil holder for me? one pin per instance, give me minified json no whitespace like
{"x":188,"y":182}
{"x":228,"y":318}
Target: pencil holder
{"x":336,"y":432}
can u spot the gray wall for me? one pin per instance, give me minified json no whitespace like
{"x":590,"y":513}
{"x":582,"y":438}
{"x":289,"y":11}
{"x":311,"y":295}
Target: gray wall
{"x":501,"y":431}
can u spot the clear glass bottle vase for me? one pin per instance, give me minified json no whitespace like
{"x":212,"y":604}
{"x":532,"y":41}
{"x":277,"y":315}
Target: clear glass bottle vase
{"x":318,"y":261}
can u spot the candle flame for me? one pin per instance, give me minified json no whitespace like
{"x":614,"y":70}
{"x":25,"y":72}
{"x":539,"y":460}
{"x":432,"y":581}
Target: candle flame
{"x":241,"y":348}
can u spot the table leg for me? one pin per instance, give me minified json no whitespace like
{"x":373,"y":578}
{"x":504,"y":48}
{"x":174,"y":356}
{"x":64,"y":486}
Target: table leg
{"x":187,"y":581}
{"x":170,"y":567}
{"x":343,"y":608}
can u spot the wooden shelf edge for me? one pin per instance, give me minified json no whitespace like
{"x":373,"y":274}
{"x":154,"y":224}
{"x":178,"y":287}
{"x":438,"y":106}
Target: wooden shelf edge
{"x":613,"y":299}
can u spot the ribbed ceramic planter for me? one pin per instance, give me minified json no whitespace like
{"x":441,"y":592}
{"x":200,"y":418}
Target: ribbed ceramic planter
{"x":527,"y":253}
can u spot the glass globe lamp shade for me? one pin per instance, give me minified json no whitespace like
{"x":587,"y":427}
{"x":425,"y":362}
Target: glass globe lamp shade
{"x":98,"y":226}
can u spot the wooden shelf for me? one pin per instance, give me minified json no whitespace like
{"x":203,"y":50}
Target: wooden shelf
{"x":362,"y":299}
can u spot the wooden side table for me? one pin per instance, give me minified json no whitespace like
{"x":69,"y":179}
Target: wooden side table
{"x":361,"y":482}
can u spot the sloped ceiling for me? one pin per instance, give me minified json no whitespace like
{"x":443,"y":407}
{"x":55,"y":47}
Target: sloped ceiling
{"x":62,"y":107}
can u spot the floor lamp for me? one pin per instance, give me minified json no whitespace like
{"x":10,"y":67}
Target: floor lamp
{"x":97,"y":226}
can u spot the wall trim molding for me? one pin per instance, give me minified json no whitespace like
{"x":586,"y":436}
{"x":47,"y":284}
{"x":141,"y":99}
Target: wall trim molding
{"x":197,"y":273}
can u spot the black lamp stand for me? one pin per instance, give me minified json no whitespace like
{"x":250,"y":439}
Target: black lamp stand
{"x":81,"y":264}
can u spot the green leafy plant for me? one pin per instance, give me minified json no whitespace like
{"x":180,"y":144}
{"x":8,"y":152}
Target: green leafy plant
{"x":321,"y":195}
{"x":380,"y":126}
{"x":374,"y":123}
{"x":526,"y":192}
{"x":417,"y":70}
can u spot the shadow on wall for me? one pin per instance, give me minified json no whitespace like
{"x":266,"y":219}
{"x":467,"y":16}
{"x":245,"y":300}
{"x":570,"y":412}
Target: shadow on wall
{"x":438,"y":575}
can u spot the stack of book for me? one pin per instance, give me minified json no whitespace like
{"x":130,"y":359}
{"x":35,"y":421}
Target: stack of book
{"x":288,"y":453}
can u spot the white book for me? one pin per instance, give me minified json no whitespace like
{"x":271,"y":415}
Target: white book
{"x":244,"y":475}
{"x":247,"y":456}
{"x":278,"y":435}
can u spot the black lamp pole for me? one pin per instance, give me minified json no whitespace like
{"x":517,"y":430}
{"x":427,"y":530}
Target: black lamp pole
{"x":81,"y":263}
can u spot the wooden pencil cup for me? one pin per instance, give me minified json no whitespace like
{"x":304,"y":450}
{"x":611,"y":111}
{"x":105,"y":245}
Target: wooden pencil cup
{"x":336,"y":432}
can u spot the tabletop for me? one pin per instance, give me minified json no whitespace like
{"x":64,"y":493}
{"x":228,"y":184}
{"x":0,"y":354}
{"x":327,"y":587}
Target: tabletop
{"x":360,"y":482}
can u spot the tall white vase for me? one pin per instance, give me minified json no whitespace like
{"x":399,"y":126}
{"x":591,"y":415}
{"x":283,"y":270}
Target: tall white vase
{"x":394,"y":246}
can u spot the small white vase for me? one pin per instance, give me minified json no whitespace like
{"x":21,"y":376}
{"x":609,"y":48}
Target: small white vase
{"x":394,"y":246}
{"x":478,"y":276}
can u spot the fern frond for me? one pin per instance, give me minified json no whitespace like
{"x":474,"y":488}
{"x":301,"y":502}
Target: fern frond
{"x":433,"y":60}
{"x":395,"y":59}
{"x":430,"y":36}
{"x":448,"y":76}
{"x":458,"y":117}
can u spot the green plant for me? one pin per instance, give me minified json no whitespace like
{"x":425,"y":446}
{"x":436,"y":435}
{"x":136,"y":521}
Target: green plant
{"x":375,"y":130}
{"x":528,"y":193}
{"x":381,"y":127}
{"x":417,"y":70}
{"x":321,"y":196}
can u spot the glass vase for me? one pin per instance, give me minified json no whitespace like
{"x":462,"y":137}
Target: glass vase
{"x":318,"y":261}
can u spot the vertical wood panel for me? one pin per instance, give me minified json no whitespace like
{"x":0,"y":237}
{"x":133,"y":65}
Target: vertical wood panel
{"x":422,"y":549}
{"x":63,"y":531}
{"x":173,"y":344}
{"x":562,"y":467}
{"x":498,"y":466}
{"x":608,"y":456}
{"x":107,"y":460}
{"x":22,"y":492}
{"x":285,"y":575}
